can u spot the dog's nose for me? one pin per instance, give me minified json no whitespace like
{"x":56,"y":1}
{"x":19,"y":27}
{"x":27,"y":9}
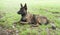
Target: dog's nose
{"x":18,"y":13}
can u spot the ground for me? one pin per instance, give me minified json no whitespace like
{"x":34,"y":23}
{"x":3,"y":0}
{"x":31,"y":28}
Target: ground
{"x":48,"y":8}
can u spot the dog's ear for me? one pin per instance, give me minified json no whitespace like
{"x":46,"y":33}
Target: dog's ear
{"x":25,"y":6}
{"x":21,"y":5}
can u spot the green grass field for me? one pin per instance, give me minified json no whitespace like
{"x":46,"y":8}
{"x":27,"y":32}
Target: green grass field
{"x":9,"y":9}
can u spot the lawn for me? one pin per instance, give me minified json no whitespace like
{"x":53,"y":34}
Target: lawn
{"x":48,"y":8}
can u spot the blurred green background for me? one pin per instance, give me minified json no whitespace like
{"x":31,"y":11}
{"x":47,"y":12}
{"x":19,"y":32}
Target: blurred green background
{"x":48,"y":8}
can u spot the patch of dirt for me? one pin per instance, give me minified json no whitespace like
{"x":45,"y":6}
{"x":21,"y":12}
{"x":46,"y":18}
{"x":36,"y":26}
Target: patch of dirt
{"x":56,"y":12}
{"x":4,"y":31}
{"x":57,"y":16}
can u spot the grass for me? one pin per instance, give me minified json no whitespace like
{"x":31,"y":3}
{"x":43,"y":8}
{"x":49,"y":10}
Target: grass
{"x":9,"y":9}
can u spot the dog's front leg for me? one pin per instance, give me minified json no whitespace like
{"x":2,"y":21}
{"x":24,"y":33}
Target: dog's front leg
{"x":23,"y":22}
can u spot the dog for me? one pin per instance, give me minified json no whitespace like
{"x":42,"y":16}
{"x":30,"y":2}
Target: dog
{"x":27,"y":17}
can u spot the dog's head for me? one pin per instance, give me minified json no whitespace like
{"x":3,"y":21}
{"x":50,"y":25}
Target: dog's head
{"x":23,"y":10}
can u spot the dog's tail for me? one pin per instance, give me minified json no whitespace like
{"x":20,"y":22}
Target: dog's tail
{"x":53,"y":26}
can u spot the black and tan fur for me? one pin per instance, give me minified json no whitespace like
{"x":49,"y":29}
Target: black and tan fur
{"x":31,"y":18}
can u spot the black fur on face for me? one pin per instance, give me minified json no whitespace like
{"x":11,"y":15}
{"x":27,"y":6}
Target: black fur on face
{"x":23,"y":10}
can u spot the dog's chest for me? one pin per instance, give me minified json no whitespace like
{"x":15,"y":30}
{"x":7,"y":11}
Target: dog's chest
{"x":28,"y":17}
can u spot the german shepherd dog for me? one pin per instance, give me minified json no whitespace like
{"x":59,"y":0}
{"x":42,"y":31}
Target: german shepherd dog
{"x":32,"y":18}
